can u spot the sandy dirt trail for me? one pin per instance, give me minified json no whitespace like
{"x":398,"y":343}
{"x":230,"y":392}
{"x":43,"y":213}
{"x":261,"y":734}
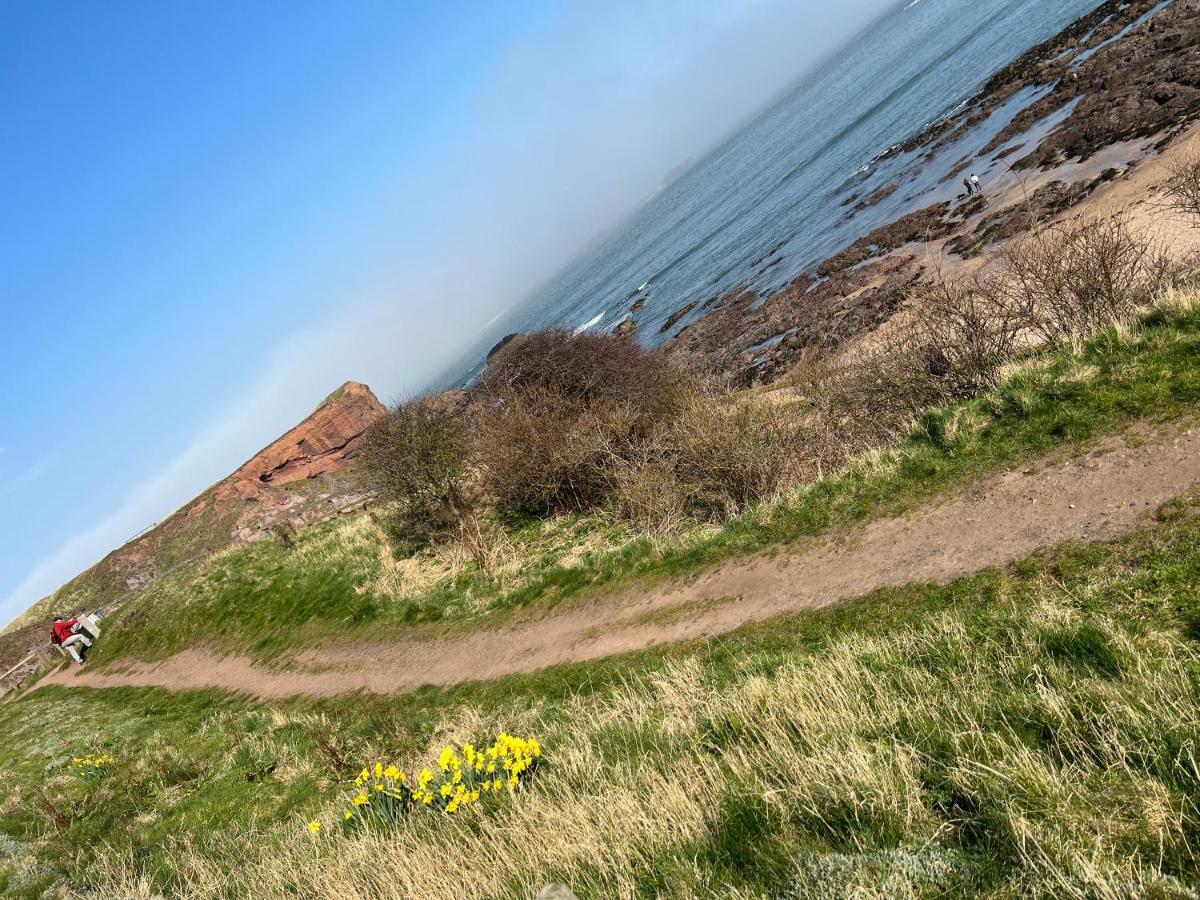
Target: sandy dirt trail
{"x":1097,"y":496}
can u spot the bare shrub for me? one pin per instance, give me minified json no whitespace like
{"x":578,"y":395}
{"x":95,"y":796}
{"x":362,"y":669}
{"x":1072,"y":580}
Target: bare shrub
{"x":729,"y":455}
{"x":957,"y":336}
{"x":1080,"y":276}
{"x":417,"y":458}
{"x":575,"y":422}
{"x":647,"y":493}
{"x":544,"y":453}
{"x":1183,"y":189}
{"x":592,"y":370}
{"x":714,"y":459}
{"x":562,"y":412}
{"x":965,"y":330}
{"x":868,"y":400}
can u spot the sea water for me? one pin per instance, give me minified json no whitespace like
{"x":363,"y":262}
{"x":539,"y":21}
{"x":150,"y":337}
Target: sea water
{"x":771,"y":200}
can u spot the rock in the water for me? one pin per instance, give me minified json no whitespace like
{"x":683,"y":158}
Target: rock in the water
{"x":502,"y":343}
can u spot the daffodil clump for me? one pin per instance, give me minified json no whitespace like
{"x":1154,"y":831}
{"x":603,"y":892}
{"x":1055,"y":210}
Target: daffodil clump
{"x":92,"y":768}
{"x":465,"y":777}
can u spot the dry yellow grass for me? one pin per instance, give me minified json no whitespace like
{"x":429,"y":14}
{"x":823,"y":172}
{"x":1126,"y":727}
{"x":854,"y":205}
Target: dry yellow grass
{"x":825,"y":746}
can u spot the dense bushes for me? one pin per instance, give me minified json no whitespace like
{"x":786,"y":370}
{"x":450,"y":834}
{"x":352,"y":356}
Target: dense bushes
{"x":571,"y":423}
{"x":592,"y":371}
{"x":562,"y":423}
{"x":714,"y":458}
{"x":562,"y":413}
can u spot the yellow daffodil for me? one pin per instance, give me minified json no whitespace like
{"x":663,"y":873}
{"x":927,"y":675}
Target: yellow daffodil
{"x":314,"y":827}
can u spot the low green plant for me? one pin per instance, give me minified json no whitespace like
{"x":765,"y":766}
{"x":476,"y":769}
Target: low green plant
{"x":92,"y":769}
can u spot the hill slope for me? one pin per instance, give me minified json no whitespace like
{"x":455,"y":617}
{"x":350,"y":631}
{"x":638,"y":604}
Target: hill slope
{"x":296,"y":478}
{"x":1019,"y":731}
{"x":1107,"y":492}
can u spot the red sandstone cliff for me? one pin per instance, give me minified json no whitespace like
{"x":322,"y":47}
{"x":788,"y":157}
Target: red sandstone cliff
{"x":298,"y":479}
{"x":321,"y":444}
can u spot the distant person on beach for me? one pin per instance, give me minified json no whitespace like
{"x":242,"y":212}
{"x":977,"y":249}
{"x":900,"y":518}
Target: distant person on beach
{"x":970,"y":188}
{"x":63,"y":633}
{"x":975,"y":184}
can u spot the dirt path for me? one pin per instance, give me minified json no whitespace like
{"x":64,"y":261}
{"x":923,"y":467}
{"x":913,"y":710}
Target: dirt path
{"x":1098,"y":496}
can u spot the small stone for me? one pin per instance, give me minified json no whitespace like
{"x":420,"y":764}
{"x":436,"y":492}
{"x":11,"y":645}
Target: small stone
{"x":556,"y":892}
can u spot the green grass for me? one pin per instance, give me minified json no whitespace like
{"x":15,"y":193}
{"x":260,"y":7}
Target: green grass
{"x":926,"y":736}
{"x":258,"y":599}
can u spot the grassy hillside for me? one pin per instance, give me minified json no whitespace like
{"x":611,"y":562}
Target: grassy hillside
{"x":188,"y":534}
{"x":1026,"y":732}
{"x":347,"y":578}
{"x":204,"y":525}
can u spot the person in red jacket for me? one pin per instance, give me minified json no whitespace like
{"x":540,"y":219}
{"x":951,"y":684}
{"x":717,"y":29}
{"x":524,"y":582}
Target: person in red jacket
{"x":63,"y":633}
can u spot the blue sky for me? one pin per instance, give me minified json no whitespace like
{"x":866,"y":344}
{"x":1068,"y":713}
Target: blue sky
{"x":212,"y":214}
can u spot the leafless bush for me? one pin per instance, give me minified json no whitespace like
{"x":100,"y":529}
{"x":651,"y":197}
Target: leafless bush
{"x":731,"y":454}
{"x":544,"y":453}
{"x":714,"y":459}
{"x":647,"y":493}
{"x":868,"y":400}
{"x":417,"y":458}
{"x":1183,"y":189}
{"x":563,"y":412}
{"x":574,"y":422}
{"x":1080,"y":276}
{"x":963,"y":330}
{"x":588,"y":370}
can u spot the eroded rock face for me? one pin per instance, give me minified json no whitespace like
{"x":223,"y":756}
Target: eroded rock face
{"x":317,"y":449}
{"x":323,"y":443}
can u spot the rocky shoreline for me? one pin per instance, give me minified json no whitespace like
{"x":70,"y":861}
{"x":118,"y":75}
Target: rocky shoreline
{"x":1125,"y":71}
